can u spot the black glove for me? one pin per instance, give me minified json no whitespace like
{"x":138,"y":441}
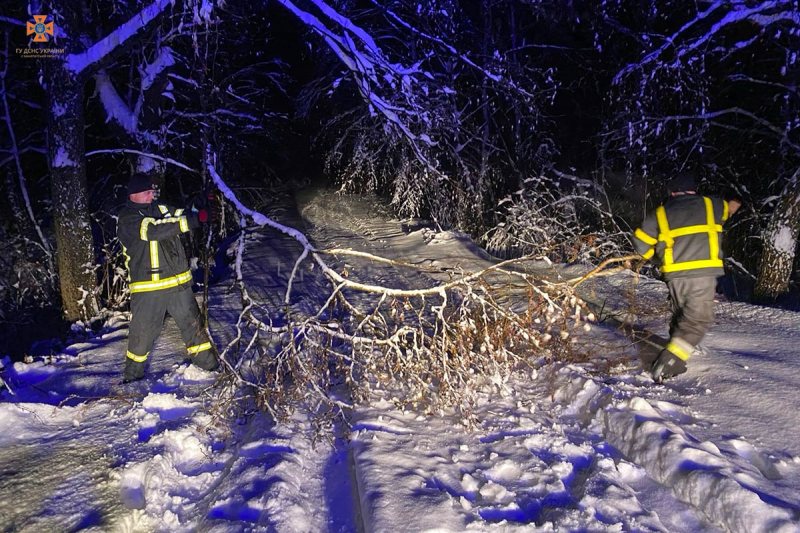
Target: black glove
{"x":198,"y":202}
{"x":205,"y":203}
{"x":197,"y":219}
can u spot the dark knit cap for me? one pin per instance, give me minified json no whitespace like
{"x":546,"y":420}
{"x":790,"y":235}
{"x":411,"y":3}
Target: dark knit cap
{"x":139,"y":183}
{"x":681,"y":182}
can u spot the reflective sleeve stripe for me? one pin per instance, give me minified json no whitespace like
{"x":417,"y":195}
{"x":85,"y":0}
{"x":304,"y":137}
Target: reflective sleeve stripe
{"x":163,"y":209}
{"x":138,"y":358}
{"x":184,"y":224}
{"x":649,"y":253}
{"x":149,"y":220}
{"x":663,"y":234}
{"x":174,"y":281}
{"x":644,"y":237}
{"x":154,"y":263}
{"x":178,"y":212}
{"x":146,"y":221}
{"x":199,"y":348}
{"x":725,"y":212}
{"x":127,"y":261}
{"x":682,"y":349}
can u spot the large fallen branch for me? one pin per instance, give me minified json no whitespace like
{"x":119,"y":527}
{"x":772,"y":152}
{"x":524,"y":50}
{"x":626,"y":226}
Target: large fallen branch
{"x":430,"y":347}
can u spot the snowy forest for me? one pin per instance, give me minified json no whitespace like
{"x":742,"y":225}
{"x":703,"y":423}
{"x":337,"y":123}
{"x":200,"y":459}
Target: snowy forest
{"x":545,"y":128}
{"x":418,"y":268}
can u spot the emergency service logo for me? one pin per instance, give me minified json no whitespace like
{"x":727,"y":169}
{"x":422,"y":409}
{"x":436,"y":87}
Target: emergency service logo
{"x":42,"y":32}
{"x":41,"y":29}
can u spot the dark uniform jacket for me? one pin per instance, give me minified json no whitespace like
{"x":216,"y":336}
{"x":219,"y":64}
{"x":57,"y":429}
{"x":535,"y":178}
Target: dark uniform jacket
{"x":685,"y":234}
{"x":154,"y":254}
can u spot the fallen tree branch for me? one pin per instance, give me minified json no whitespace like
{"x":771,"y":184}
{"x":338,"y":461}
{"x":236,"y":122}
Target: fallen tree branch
{"x":433,"y":347}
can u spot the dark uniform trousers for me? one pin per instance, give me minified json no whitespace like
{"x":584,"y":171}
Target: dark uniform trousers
{"x":692,"y":301}
{"x":147,"y":318}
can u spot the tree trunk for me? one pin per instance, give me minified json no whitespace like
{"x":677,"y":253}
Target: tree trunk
{"x":16,"y":203}
{"x":780,"y":244}
{"x":65,"y":153}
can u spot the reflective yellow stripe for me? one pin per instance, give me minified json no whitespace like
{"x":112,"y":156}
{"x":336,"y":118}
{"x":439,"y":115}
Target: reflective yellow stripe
{"x":199,"y":348}
{"x":692,"y":265}
{"x":713,"y":231}
{"x":174,"y":281}
{"x":178,"y":212}
{"x":682,"y":349}
{"x":154,"y":264}
{"x":691,"y":230}
{"x":163,"y":209}
{"x":644,"y":237}
{"x":668,"y":237}
{"x":649,"y":253}
{"x":663,"y":235}
{"x":138,"y":358}
{"x":725,"y":212}
{"x":127,"y":261}
{"x":184,"y":224}
{"x":146,"y":221}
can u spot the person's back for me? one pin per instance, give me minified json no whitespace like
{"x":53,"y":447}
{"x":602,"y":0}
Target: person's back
{"x":685,"y":233}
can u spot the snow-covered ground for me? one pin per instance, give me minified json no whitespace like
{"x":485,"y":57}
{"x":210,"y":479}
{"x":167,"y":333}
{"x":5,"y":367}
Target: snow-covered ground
{"x":592,"y":445}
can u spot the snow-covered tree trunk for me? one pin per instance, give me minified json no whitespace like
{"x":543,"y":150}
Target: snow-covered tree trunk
{"x":65,"y":155}
{"x":16,"y":202}
{"x":64,"y":81}
{"x":780,"y":244}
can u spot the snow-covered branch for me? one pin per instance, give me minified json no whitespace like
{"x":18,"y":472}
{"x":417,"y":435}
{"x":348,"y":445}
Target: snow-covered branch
{"x":163,"y":60}
{"x":434,"y":344}
{"x":684,"y":42}
{"x":116,"y":109}
{"x":143,"y":154}
{"x":9,"y":20}
{"x":710,"y":115}
{"x":79,"y":63}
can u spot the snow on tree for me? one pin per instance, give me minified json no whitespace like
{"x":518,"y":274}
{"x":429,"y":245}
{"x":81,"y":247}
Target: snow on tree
{"x":711,"y":88}
{"x":438,"y":97}
{"x":63,"y":80}
{"x":446,"y":108}
{"x":780,"y":243}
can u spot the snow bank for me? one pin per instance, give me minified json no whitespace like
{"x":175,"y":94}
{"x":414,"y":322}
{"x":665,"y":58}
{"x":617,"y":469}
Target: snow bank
{"x":697,"y":472}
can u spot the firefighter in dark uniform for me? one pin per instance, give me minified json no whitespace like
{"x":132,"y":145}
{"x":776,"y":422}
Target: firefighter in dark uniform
{"x":685,"y":236}
{"x":159,"y":277}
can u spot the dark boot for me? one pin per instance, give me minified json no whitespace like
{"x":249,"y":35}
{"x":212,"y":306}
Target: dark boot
{"x":207,"y":360}
{"x":668,"y":365}
{"x":133,"y":371}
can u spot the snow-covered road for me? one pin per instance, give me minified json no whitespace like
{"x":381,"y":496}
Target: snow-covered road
{"x":666,"y":433}
{"x":591,"y":445}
